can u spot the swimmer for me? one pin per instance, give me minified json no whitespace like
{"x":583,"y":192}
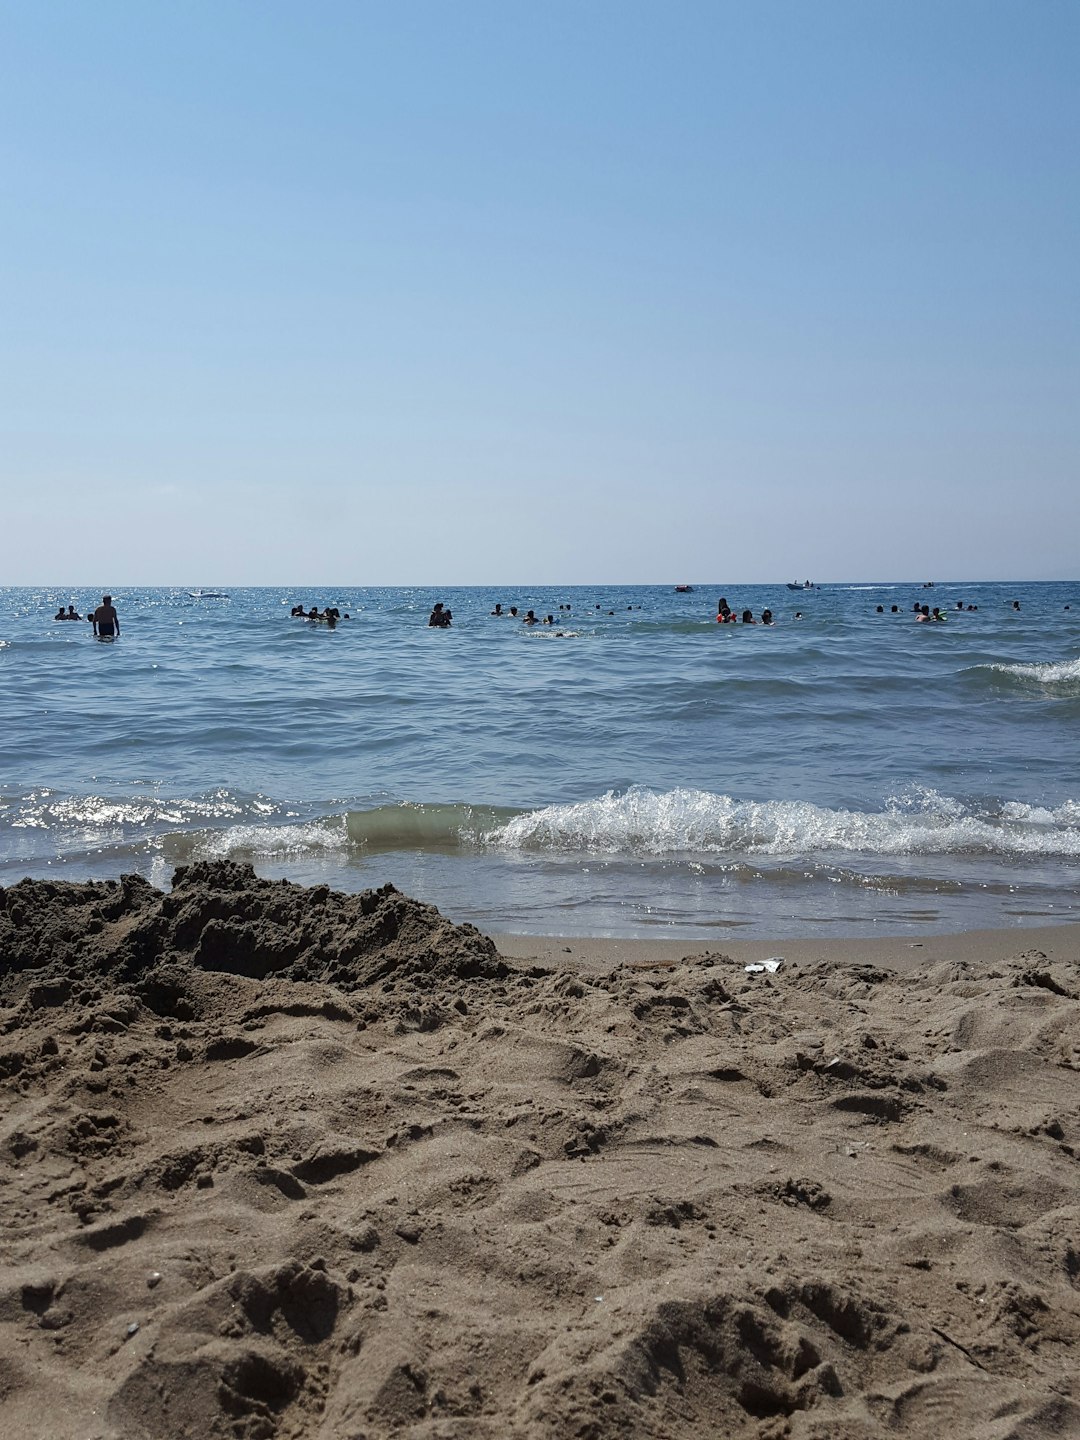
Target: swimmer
{"x":1016,"y":605}
{"x":748,"y":617}
{"x":530,"y":618}
{"x":513,"y":611}
{"x":881,"y":610}
{"x":105,"y":620}
{"x":440,"y":617}
{"x":894,"y":610}
{"x":798,"y":614}
{"x":498,"y":609}
{"x":766,"y":618}
{"x":723,"y":610}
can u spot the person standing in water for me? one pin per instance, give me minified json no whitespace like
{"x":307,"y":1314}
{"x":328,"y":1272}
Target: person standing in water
{"x":105,"y":620}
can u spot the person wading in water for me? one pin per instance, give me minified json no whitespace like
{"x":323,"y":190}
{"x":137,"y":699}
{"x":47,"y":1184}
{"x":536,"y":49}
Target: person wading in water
{"x":105,"y":620}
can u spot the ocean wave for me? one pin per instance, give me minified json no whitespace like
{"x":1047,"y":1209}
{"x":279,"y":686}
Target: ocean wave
{"x":1054,"y":678}
{"x":259,"y":842}
{"x":1054,"y":672}
{"x":685,"y":822}
{"x":637,"y":823}
{"x":426,"y":827}
{"x":679,"y":821}
{"x":63,"y":813}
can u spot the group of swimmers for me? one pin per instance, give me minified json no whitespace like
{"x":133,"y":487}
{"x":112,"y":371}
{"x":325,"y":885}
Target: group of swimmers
{"x":726,"y":616}
{"x":329,"y":616}
{"x":924,"y":615}
{"x":105,"y":620}
{"x":442,"y":616}
{"x":529,"y":618}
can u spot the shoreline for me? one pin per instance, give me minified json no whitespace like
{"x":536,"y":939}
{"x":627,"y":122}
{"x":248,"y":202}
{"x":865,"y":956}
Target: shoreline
{"x":597,"y":955}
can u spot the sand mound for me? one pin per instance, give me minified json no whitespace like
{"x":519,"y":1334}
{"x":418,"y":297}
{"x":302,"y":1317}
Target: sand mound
{"x":220,"y":916}
{"x":281,"y":1163}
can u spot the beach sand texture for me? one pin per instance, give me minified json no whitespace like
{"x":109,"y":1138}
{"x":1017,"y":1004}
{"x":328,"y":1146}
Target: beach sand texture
{"x":279,"y":1162}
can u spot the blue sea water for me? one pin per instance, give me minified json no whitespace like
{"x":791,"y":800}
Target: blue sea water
{"x":635,"y":769}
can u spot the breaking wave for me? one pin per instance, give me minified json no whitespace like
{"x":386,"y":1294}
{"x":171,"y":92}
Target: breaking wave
{"x":682,"y":823}
{"x":260,"y":842}
{"x":697,"y":822}
{"x":427,"y":827}
{"x":1061,"y":676}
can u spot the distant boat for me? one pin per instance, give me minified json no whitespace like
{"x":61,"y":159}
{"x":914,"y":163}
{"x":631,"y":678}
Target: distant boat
{"x":684,"y":589}
{"x":209,"y":594}
{"x":806,"y":585}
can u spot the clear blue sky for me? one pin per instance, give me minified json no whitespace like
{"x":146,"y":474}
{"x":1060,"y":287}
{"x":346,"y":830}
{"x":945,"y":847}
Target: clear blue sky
{"x":466,"y":292}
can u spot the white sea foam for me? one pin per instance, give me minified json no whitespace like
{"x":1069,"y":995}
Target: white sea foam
{"x":684,"y":821}
{"x":1061,"y":672}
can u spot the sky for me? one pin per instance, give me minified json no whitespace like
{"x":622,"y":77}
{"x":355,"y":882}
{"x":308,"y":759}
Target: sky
{"x":556,"y":292}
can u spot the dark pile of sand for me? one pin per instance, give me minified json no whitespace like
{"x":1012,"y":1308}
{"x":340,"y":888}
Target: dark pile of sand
{"x":220,"y":916}
{"x":277,"y":1162}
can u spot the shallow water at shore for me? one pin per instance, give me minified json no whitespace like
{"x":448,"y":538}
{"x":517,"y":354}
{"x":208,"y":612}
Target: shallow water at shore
{"x":643,"y":772}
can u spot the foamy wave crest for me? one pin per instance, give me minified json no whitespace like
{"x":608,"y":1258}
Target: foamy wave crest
{"x":684,"y":821}
{"x":261,"y":842}
{"x":1063,"y":674}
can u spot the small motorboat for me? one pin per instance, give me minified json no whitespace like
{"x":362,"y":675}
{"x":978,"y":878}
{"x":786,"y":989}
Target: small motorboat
{"x":684,"y":589}
{"x":806,"y":585}
{"x":209,"y":594}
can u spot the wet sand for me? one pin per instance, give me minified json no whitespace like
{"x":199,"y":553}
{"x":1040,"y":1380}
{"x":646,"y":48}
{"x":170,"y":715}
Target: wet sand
{"x":897,"y":952}
{"x":277,"y":1162}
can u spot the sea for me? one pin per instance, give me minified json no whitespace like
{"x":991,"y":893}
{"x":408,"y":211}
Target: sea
{"x":633,"y":769}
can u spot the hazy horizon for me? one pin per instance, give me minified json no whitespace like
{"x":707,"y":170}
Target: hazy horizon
{"x":117,"y":587}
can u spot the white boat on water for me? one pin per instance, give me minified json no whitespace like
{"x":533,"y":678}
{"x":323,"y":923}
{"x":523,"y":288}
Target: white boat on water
{"x":209,"y":594}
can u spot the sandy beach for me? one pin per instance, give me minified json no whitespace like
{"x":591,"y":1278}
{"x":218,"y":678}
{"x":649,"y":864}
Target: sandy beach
{"x":282,"y":1163}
